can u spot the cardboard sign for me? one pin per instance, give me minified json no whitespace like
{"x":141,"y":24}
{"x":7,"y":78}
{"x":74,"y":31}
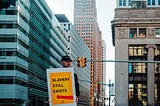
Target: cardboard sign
{"x":61,"y":87}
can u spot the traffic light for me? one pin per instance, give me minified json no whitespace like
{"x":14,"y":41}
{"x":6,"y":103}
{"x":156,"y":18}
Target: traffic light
{"x":78,"y":62}
{"x":83,"y":61}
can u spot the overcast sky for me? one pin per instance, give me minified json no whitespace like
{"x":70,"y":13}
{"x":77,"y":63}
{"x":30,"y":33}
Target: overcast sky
{"x":105,"y":14}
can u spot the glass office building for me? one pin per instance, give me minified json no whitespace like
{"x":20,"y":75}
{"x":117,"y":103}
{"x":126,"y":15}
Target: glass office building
{"x":31,"y":40}
{"x":14,"y":52}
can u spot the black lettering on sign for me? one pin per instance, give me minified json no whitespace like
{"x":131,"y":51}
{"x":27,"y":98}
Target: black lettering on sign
{"x":58,"y":85}
{"x":59,"y":90}
{"x":60,"y":79}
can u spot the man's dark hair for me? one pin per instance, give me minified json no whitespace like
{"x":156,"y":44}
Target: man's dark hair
{"x":66,"y":58}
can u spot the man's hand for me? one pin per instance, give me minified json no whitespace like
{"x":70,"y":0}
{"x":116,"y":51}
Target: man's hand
{"x":76,"y":99}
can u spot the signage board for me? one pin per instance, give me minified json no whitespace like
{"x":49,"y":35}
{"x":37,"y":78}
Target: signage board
{"x":61,"y":87}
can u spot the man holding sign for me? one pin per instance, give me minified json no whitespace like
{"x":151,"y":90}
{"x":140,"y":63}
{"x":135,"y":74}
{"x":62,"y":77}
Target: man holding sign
{"x":66,"y":62}
{"x":63,"y":86}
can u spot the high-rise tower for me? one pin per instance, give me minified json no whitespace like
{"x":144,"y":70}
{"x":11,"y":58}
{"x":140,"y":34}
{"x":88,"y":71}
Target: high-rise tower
{"x":85,"y":21}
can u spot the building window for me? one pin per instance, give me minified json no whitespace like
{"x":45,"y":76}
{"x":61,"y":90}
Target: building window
{"x":151,"y":2}
{"x":137,"y":95}
{"x":130,"y":68}
{"x":158,"y":2}
{"x":142,"y":32}
{"x":138,"y":4}
{"x":132,"y":32}
{"x":129,"y":2}
{"x":122,"y":2}
{"x":2,"y":53}
{"x":9,"y":53}
{"x":137,"y":68}
{"x":157,"y":32}
{"x":7,"y":3}
{"x":137,"y":50}
{"x":157,"y":53}
{"x":9,"y":67}
{"x":137,"y":32}
{"x":69,"y":26}
{"x":137,"y":72}
{"x":157,"y":68}
{"x":157,"y":74}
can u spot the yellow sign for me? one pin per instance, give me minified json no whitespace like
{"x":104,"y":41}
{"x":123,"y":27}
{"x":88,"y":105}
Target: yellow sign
{"x":60,"y":86}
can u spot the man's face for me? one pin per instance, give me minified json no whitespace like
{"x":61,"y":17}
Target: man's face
{"x":66,"y":63}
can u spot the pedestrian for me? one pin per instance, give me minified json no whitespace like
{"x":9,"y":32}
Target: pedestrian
{"x":66,"y":62}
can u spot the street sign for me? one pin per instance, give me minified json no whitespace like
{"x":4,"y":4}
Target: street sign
{"x":61,"y":86}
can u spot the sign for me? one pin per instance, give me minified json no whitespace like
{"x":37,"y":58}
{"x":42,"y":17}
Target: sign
{"x":61,"y":87}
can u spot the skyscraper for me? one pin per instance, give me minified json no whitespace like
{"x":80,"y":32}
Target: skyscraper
{"x":32,"y":40}
{"x":77,"y":47}
{"x":85,"y":22}
{"x":136,"y":31}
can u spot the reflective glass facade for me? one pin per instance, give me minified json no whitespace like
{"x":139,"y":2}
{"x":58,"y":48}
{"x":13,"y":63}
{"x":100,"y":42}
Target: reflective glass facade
{"x":14,"y":53}
{"x":39,"y":51}
{"x":31,"y":41}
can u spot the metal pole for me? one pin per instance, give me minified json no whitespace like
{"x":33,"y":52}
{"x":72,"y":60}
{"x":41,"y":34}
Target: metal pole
{"x":124,"y":61}
{"x":109,"y":91}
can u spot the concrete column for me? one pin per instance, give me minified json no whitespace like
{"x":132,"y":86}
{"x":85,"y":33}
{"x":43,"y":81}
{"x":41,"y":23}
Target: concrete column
{"x":150,"y":75}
